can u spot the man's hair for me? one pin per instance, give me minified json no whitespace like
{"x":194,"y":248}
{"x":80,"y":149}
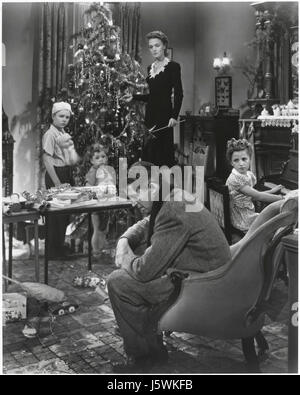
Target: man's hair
{"x":148,"y":167}
{"x":234,"y":145}
{"x":157,"y":205}
{"x":161,"y":36}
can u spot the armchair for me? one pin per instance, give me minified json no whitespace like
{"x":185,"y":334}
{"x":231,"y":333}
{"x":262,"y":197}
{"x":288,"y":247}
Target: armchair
{"x":228,"y":303}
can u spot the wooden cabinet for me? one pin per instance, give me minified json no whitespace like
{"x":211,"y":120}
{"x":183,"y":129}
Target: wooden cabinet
{"x":211,"y":132}
{"x":273,"y":146}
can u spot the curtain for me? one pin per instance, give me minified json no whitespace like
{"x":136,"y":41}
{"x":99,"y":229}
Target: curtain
{"x":52,"y":35}
{"x":52,"y":47}
{"x":127,"y":16}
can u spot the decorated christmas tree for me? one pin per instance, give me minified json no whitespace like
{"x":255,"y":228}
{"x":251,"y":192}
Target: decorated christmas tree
{"x":98,"y":78}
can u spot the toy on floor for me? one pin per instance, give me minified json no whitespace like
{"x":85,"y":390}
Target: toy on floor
{"x":86,"y":281}
{"x":63,"y":308}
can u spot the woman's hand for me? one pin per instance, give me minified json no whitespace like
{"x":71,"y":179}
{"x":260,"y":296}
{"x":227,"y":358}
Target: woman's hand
{"x":127,"y":97}
{"x":124,"y":253}
{"x":172,"y":123}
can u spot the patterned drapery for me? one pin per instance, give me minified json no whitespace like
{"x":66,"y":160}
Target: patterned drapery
{"x":128,"y":17}
{"x":53,"y":36}
{"x":53,"y":41}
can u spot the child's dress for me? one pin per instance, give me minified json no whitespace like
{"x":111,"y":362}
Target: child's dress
{"x":102,"y":177}
{"x":242,"y":210}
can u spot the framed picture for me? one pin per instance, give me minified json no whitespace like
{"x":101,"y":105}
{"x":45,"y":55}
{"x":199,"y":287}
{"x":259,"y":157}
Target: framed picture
{"x":223,"y":91}
{"x":170,"y":53}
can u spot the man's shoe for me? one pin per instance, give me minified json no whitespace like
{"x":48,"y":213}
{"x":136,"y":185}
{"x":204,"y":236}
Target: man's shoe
{"x":133,"y":365}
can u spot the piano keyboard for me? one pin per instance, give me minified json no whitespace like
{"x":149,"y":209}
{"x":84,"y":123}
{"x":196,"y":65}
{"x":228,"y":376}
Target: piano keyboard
{"x":271,"y":185}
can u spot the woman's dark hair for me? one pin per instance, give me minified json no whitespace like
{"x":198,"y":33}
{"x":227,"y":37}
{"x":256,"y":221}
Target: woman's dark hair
{"x":234,"y":145}
{"x":161,"y":36}
{"x":157,"y":205}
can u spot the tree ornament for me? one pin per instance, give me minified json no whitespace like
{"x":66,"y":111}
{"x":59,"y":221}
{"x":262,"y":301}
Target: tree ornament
{"x":71,"y":68}
{"x":71,"y":85}
{"x":78,"y":56}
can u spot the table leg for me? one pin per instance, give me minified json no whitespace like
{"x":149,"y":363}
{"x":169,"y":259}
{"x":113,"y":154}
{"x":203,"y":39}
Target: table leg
{"x":46,"y":250}
{"x":10,"y":251}
{"x":89,"y":241}
{"x":36,"y":250}
{"x":4,"y":258}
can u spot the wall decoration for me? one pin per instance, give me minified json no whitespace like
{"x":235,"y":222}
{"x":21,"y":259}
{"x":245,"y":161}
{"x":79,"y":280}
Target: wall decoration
{"x":223,"y":91}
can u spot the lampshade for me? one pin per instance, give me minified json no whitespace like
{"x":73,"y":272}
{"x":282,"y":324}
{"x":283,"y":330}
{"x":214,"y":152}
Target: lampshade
{"x":222,"y":64}
{"x":217,"y":63}
{"x":226,"y":60}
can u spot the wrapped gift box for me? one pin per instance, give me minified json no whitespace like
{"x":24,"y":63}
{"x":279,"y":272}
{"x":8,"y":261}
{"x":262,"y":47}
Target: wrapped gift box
{"x":13,"y":307}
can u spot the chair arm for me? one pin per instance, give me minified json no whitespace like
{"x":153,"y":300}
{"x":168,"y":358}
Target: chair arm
{"x":234,"y":248}
{"x":194,"y":276}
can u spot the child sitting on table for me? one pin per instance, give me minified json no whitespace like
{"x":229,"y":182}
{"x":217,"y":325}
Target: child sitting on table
{"x":100,"y":175}
{"x":240,"y":184}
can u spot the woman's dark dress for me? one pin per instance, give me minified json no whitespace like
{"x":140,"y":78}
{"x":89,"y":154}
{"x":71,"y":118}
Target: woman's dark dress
{"x":159,"y":110}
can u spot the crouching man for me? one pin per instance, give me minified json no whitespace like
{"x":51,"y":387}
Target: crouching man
{"x":180,"y":233}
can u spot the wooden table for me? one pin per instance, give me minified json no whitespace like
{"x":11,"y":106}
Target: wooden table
{"x":79,"y":208}
{"x":290,"y":244}
{"x":10,"y":219}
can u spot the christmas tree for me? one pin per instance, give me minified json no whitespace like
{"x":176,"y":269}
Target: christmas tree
{"x":97,"y":79}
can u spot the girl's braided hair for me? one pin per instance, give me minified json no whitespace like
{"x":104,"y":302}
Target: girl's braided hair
{"x":237,"y":145}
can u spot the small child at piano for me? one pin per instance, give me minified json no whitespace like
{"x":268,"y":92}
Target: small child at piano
{"x":99,"y":175}
{"x":240,"y":184}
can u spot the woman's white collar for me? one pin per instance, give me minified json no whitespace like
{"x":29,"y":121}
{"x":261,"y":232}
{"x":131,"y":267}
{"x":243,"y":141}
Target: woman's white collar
{"x":157,"y":68}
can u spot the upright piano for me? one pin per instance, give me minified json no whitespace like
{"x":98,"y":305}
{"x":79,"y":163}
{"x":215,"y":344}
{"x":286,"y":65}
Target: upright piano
{"x":276,"y":155}
{"x":288,"y":177}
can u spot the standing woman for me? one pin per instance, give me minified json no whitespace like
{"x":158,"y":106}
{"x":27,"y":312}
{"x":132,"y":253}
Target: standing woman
{"x":164,"y":81}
